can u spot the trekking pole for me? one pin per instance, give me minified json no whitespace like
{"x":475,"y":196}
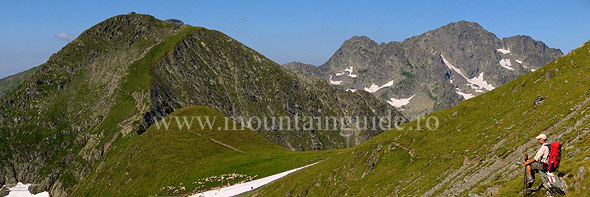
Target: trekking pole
{"x":526,"y":157}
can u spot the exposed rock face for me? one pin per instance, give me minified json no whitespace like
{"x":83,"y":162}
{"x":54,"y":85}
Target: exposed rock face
{"x":210,"y":68}
{"x":437,"y":69}
{"x":176,"y":22}
{"x":116,"y":77}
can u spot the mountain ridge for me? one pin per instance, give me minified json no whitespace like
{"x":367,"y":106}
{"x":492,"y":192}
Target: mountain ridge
{"x":113,"y":80}
{"x":12,"y":81}
{"x":417,"y":67}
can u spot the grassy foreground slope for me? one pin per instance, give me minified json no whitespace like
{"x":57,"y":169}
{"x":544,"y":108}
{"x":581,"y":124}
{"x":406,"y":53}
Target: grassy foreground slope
{"x":476,"y":149}
{"x":178,"y":160}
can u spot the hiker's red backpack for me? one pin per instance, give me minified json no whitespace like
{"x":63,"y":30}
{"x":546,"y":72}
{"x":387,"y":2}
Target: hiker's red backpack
{"x":554,"y":156}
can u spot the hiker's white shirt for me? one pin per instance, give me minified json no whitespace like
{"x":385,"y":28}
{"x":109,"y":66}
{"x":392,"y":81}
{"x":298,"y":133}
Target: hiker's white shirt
{"x":543,"y":154}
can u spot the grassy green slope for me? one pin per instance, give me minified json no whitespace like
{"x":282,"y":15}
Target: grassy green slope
{"x":10,"y":82}
{"x":169,"y":162}
{"x":73,"y":104}
{"x":126,"y":105}
{"x":476,"y":148}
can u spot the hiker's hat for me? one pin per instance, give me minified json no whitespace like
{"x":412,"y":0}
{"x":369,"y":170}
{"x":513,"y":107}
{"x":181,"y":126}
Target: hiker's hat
{"x":541,"y":136}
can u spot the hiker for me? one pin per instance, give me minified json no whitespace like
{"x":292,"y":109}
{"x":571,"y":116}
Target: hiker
{"x":539,"y":162}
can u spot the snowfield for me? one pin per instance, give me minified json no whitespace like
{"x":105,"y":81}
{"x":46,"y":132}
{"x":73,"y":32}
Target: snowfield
{"x":465,"y":95}
{"x":505,"y":51}
{"x":450,"y":66}
{"x":247,"y":186}
{"x":480,"y":83}
{"x":374,"y":87}
{"x":21,"y":190}
{"x":476,"y":83}
{"x":506,"y":64}
{"x":350,"y":69}
{"x":400,"y":102}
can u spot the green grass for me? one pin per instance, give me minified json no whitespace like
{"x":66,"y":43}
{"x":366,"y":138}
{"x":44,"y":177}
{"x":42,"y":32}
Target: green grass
{"x":506,"y":113}
{"x":139,"y":72}
{"x":408,"y":75}
{"x":137,"y":81}
{"x":142,"y":165}
{"x":11,"y":82}
{"x":384,"y":95}
{"x":58,"y":101}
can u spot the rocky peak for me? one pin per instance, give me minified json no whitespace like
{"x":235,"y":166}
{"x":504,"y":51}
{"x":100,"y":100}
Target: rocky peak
{"x":118,"y":24}
{"x":413,"y":75}
{"x":63,"y":108}
{"x":464,"y":26}
{"x":357,"y":41}
{"x":459,"y":31}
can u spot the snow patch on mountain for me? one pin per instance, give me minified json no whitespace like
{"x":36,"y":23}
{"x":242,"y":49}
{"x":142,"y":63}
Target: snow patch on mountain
{"x":465,"y":95}
{"x":476,"y":83}
{"x":374,"y":87}
{"x":400,"y":102}
{"x":506,"y":64}
{"x":450,"y":66}
{"x":520,"y":62}
{"x":351,"y":90}
{"x":348,"y":70}
{"x":505,"y":51}
{"x":21,"y":189}
{"x":248,"y":186}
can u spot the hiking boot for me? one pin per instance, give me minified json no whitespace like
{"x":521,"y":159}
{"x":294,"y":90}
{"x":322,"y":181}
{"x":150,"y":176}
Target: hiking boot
{"x":530,"y":182}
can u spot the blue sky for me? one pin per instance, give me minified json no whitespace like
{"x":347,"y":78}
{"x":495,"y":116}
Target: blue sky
{"x":284,"y":31}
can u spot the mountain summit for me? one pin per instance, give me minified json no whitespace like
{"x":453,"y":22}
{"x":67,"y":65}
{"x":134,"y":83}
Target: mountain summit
{"x":432,"y":71}
{"x":122,"y":75}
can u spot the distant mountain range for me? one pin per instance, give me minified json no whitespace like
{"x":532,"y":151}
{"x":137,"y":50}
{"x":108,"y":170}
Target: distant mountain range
{"x":432,"y":71}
